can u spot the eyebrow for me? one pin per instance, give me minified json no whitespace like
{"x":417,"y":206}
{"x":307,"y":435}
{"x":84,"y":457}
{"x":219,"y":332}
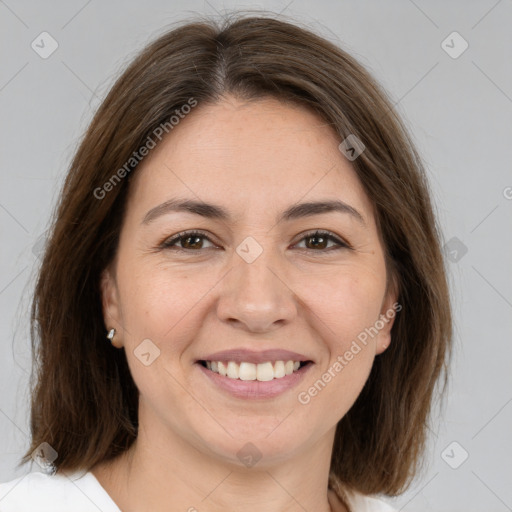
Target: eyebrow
{"x":213,"y":211}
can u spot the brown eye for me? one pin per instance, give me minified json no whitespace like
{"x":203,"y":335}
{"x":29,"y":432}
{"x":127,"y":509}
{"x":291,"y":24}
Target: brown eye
{"x":193,"y":241}
{"x":318,"y":241}
{"x":190,"y":241}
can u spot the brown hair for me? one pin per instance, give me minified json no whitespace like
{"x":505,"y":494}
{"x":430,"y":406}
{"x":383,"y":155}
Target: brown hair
{"x":84,"y":401}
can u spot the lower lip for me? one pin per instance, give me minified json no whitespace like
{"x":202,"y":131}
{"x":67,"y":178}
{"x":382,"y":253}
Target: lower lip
{"x":255,"y":389}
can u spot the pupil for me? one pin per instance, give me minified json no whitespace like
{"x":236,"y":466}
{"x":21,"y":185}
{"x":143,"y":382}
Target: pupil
{"x":317,"y":237}
{"x":196,"y":238}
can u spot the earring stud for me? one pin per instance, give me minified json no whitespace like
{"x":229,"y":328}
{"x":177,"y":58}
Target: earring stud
{"x":111,"y":335}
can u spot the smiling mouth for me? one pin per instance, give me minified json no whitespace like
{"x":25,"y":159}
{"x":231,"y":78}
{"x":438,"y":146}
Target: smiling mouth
{"x":263,"y":372}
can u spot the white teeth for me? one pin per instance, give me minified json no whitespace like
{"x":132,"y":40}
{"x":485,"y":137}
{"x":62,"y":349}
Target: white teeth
{"x":265,"y":371}
{"x":279,"y":369}
{"x":221,"y":367}
{"x":233,"y":370}
{"x":249,"y":371}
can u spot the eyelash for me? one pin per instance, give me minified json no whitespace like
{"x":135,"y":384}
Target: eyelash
{"x":169,"y":243}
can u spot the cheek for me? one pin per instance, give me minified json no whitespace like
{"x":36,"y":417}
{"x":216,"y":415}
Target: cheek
{"x":347,"y":302}
{"x":158,"y":304}
{"x":157,"y":300}
{"x":344,"y":313}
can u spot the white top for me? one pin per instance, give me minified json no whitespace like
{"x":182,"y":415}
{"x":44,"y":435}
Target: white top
{"x":81,"y":492}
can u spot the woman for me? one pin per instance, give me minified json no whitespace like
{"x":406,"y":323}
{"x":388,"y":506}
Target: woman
{"x":243,"y":302}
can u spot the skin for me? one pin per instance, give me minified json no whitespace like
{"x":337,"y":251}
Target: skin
{"x":255,"y":159}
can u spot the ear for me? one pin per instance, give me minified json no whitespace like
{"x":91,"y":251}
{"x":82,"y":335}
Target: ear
{"x":389,"y":310}
{"x":110,"y":305}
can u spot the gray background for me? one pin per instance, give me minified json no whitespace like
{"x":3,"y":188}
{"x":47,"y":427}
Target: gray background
{"x":458,"y":110}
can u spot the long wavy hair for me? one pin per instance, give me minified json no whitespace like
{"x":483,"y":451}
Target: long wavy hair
{"x":84,"y":400}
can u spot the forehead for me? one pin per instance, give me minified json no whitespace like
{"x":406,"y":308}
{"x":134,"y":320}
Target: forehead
{"x":250,"y":154}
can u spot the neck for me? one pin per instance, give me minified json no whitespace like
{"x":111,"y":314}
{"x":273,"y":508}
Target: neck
{"x":164,"y":468}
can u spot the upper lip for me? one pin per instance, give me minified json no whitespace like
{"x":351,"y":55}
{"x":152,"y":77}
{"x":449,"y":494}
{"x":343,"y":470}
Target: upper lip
{"x":239,"y":355}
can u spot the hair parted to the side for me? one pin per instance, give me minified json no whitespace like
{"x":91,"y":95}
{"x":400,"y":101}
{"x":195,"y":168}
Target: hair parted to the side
{"x":84,"y":400}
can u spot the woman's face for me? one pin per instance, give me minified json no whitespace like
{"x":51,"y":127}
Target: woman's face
{"x":255,"y":279}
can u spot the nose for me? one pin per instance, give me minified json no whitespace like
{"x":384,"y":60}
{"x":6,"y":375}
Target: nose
{"x":256,"y":296}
